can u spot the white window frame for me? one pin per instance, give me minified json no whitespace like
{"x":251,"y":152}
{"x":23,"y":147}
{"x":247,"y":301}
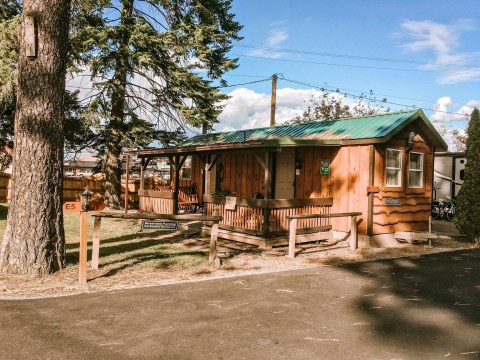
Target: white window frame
{"x":399,"y":177}
{"x":410,"y":170}
{"x":186,"y":165}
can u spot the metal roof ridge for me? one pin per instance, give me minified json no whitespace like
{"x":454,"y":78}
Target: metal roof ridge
{"x":305,"y":123}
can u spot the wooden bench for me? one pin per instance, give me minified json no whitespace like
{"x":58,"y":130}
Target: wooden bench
{"x":293,"y":228}
{"x":411,"y":236}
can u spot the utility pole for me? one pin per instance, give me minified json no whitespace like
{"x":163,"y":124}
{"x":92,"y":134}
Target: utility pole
{"x":274,"y":100}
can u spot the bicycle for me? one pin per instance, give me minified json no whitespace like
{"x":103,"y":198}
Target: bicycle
{"x":441,"y":209}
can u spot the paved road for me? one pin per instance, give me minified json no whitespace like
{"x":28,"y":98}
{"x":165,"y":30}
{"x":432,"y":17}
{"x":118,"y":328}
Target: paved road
{"x":422,"y":308}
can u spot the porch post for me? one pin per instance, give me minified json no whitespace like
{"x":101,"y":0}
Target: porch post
{"x":143,"y":165}
{"x":176,"y":179}
{"x":127,"y":168}
{"x":268,"y":192}
{"x":371,"y":182}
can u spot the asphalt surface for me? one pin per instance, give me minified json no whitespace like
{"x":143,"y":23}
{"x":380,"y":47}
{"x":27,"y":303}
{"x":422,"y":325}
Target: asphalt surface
{"x":420,"y":308}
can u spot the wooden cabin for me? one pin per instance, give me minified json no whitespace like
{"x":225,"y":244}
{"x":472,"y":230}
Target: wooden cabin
{"x":381,"y":166}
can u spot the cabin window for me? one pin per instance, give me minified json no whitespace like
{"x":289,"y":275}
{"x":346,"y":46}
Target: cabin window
{"x":415,"y":170}
{"x":394,"y":168}
{"x":186,"y":170}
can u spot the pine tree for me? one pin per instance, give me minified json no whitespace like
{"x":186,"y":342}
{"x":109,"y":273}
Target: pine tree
{"x":152,"y":63}
{"x":467,"y":217}
{"x":78,"y":132}
{"x":34,"y":240}
{"x":9,"y":47}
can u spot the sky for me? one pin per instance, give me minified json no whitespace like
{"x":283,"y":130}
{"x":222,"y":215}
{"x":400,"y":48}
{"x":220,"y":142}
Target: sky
{"x":422,"y":53}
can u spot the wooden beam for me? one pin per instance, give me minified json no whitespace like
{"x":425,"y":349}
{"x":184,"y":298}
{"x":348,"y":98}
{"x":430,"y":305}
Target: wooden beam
{"x":96,"y":242}
{"x":213,"y":239}
{"x":260,"y":160}
{"x":181,"y":162}
{"x":271,"y":203}
{"x":127,"y":168}
{"x":268,"y":192}
{"x":214,"y":161}
{"x":354,"y":234}
{"x":176,"y":169}
{"x":291,"y":238}
{"x":82,"y":253}
{"x":371,"y":182}
{"x":153,"y":216}
{"x":143,"y":165}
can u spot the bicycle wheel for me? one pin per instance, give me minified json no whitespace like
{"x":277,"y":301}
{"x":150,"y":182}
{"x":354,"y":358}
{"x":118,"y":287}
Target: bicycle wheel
{"x":450,"y":213}
{"x":435,"y":212}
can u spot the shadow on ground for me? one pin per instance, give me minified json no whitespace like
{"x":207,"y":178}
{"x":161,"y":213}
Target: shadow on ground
{"x":407,"y":298}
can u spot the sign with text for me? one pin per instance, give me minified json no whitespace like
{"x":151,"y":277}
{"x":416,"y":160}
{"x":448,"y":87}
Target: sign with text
{"x":230,"y":202}
{"x":72,"y":206}
{"x":159,"y":225}
{"x":392,"y":201}
{"x":325,"y":167}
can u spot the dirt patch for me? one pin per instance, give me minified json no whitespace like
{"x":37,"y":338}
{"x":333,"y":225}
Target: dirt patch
{"x":158,"y":259}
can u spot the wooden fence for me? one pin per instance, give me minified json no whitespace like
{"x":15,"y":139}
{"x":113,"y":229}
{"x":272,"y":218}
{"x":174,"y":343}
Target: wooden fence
{"x":73,"y":186}
{"x":4,"y":187}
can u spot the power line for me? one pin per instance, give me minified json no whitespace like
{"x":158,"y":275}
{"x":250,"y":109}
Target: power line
{"x":375,"y":100}
{"x":247,"y":76}
{"x":333,"y":64}
{"x":343,"y":56}
{"x":245,"y":83}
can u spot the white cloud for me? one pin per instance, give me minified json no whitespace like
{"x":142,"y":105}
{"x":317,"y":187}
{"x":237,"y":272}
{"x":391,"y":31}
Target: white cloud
{"x":276,"y":36}
{"x":443,"y":40}
{"x":247,"y":109}
{"x":447,"y":111}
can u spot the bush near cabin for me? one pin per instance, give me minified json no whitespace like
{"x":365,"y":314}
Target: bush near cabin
{"x":467,"y":218}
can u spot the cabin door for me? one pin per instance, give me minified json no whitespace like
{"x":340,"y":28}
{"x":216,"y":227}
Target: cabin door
{"x":285,"y":174}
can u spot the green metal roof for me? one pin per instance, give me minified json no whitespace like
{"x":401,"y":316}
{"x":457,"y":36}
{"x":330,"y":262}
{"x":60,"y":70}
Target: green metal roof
{"x":333,"y":132}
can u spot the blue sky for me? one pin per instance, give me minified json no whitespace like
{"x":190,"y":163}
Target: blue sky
{"x":434,"y":43}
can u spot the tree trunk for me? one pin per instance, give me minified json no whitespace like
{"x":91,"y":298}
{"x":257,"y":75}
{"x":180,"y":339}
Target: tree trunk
{"x":34,"y":241}
{"x":112,"y":166}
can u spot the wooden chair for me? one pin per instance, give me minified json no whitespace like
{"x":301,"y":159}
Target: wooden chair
{"x":187,"y":197}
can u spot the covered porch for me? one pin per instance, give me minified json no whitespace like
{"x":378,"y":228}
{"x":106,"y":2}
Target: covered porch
{"x":255,"y":188}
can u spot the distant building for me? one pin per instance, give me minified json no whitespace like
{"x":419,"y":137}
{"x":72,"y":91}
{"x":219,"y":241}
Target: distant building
{"x":80,"y":166}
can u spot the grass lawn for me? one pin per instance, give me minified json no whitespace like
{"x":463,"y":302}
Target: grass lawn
{"x":123,"y":246}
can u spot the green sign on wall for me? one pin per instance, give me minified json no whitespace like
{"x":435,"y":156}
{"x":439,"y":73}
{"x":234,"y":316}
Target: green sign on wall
{"x":325,"y":167}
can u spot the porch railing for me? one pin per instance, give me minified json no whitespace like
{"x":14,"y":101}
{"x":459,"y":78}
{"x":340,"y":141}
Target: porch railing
{"x":269,"y":217}
{"x":160,"y":202}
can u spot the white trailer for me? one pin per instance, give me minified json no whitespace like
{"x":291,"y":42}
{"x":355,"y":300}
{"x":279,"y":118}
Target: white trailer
{"x":448,"y":174}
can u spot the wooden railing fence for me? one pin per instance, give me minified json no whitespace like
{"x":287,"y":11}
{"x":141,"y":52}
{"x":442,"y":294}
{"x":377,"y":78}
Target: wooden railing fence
{"x":73,"y":186}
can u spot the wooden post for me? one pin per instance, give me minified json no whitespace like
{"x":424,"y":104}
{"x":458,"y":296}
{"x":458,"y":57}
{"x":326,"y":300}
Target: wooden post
{"x":82,"y":261}
{"x":96,"y":242}
{"x":127,"y":168}
{"x":213,"y":239}
{"x":268,"y":192}
{"x":143,"y":167}
{"x":292,"y":238}
{"x":354,"y":234}
{"x":371,"y":182}
{"x":177,"y":167}
{"x":430,"y":230}
{"x":274,"y":100}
